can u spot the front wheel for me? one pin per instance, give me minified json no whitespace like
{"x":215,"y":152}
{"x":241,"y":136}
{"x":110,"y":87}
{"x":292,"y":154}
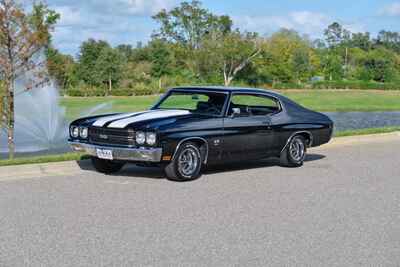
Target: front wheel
{"x":295,"y":152}
{"x":186,"y":165}
{"x":106,"y":166}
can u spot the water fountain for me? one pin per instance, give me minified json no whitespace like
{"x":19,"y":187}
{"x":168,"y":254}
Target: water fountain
{"x":40,"y":123}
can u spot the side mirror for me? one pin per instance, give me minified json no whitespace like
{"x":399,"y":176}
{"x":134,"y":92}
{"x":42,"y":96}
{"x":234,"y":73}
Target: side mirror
{"x":235,"y":112}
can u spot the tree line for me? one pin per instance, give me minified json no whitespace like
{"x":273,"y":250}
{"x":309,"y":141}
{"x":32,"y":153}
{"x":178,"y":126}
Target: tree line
{"x":194,"y":46}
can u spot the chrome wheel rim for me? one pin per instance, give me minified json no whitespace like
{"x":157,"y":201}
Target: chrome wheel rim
{"x":188,"y":162}
{"x":297,"y":149}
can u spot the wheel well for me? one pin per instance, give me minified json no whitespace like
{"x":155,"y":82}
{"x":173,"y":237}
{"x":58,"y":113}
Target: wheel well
{"x":200,"y":142}
{"x":307,"y":136}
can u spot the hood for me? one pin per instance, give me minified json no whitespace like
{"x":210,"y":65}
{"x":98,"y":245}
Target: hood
{"x":150,"y":118}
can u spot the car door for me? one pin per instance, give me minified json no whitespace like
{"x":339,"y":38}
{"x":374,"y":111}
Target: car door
{"x":247,"y":127}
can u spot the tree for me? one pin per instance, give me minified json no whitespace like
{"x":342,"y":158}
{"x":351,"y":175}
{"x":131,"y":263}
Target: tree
{"x":361,"y":40}
{"x":108,"y":67}
{"x":390,"y":40}
{"x":189,"y":23}
{"x":287,"y":57}
{"x":60,"y":67}
{"x":380,"y":65}
{"x":161,"y":59}
{"x":332,"y":66}
{"x":87,"y":59}
{"x":125,"y":50}
{"x":335,"y":34}
{"x":301,"y":64}
{"x":22,"y":36}
{"x":231,"y":52}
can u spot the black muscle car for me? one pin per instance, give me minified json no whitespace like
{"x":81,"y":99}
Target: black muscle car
{"x":195,"y":126}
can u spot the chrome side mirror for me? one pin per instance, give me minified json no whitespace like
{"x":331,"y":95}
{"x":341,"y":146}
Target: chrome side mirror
{"x":235,"y":112}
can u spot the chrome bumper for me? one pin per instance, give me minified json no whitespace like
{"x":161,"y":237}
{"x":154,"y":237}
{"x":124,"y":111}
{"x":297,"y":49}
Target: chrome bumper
{"x":129,"y":154}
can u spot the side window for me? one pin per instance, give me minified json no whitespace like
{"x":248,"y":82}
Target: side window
{"x":253,"y":105}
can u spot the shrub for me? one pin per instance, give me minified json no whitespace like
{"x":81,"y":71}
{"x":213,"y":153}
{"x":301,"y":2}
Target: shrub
{"x":363,"y":85}
{"x":288,"y":86}
{"x":75,"y":92}
{"x":143,"y":89}
{"x":122,"y":92}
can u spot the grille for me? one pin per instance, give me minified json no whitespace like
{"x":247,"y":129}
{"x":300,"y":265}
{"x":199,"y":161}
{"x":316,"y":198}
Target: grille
{"x":105,"y":136}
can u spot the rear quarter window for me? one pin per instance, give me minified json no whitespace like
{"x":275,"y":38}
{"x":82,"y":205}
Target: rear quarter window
{"x":254,"y":104}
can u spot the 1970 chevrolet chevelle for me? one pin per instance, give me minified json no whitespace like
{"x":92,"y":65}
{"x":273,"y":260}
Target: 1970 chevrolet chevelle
{"x":195,"y":126}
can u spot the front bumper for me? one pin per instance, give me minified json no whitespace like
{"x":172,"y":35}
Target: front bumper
{"x":128,"y":154}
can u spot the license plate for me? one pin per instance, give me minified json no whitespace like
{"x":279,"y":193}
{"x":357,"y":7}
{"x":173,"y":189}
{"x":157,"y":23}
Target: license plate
{"x":104,"y":154}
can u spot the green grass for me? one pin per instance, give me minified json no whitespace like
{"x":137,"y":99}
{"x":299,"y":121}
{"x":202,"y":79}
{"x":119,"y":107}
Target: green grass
{"x":346,"y":100}
{"x":80,"y":106}
{"x":367,"y":131}
{"x":42,"y":159}
{"x":320,"y":100}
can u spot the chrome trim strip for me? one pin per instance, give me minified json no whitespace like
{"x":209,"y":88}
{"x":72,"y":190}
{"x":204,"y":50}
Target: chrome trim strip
{"x":129,"y":154}
{"x":296,"y":133}
{"x":192,"y":138}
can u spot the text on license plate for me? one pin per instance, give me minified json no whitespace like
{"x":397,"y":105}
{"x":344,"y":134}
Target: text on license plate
{"x":104,"y":153}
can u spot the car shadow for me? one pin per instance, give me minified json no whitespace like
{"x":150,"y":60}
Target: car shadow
{"x":131,"y":170}
{"x":247,"y":165}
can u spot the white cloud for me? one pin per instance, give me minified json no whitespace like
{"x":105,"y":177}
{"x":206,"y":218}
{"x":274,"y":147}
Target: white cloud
{"x":392,"y":9}
{"x":305,"y":22}
{"x":117,"y":21}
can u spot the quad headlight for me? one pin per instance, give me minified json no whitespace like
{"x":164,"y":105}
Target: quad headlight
{"x":151,"y":139}
{"x":140,"y":138}
{"x":74,"y":131}
{"x":83,"y":132}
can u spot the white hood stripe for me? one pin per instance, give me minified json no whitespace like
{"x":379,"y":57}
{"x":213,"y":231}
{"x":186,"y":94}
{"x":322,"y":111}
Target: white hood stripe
{"x":158,"y":114}
{"x":103,"y":121}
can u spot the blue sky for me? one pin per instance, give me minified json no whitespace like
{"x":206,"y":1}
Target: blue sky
{"x":129,"y":21}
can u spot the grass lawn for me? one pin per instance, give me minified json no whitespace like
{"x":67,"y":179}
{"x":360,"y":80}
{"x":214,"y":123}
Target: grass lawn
{"x":43,"y":159}
{"x":367,"y":131}
{"x":320,"y":100}
{"x":347,"y":100}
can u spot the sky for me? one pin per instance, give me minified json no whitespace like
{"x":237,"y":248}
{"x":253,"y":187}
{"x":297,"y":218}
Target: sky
{"x":129,"y":21}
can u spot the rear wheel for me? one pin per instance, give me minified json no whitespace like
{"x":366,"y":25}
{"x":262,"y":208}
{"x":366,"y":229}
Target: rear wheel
{"x":106,"y":166}
{"x":186,"y":165}
{"x":295,"y":152}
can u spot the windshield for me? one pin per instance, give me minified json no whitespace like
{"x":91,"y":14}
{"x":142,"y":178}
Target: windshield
{"x":209,"y":103}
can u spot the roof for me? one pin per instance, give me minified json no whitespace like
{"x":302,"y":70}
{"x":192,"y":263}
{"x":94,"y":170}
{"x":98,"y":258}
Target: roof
{"x":229,"y":89}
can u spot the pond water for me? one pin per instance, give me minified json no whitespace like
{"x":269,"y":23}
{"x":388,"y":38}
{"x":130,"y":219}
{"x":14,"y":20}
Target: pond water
{"x":362,"y":120}
{"x":343,"y":121}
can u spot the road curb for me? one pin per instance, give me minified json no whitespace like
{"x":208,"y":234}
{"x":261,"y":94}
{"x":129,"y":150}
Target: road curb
{"x":362,"y":139}
{"x":70,"y":168}
{"x":66,"y":168}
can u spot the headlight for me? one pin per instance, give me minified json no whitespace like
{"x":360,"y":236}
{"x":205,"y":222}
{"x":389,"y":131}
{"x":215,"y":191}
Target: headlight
{"x":74,"y":131}
{"x":83,"y":132}
{"x":140,"y":138}
{"x":151,"y":139}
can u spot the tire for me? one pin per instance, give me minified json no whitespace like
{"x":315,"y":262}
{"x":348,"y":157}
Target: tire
{"x":186,"y":165}
{"x":106,"y":166}
{"x":294,"y":153}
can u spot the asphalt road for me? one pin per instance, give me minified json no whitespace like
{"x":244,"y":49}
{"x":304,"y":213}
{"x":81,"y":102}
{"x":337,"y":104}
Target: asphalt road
{"x":341,"y":209}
